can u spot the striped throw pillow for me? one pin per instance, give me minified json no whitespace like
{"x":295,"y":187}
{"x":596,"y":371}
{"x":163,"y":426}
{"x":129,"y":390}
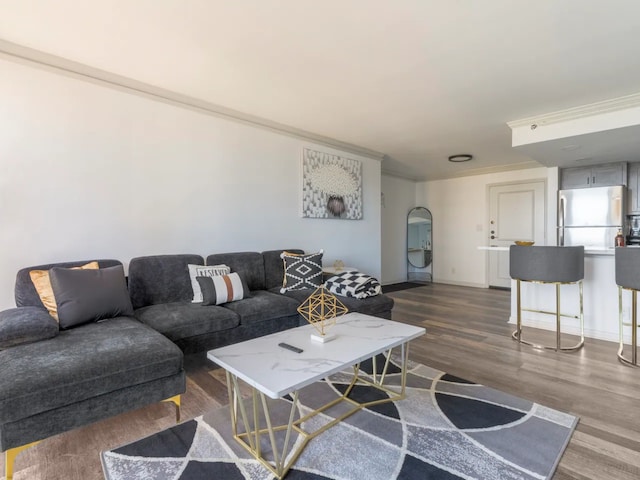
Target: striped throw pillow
{"x":204,"y":271}
{"x":220,"y":289}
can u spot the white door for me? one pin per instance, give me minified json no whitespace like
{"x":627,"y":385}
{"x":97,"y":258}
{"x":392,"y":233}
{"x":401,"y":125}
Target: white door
{"x":516,"y":212}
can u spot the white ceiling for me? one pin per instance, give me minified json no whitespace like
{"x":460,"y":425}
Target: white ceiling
{"x":416,"y":80}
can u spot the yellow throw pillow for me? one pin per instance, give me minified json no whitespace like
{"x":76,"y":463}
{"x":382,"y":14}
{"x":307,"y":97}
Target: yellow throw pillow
{"x":41,"y":281}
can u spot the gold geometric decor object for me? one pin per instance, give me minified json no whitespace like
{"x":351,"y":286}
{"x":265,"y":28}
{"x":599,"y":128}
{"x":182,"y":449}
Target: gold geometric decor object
{"x":320,"y":310}
{"x":338,"y":265}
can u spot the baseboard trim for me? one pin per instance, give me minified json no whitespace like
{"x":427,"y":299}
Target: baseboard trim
{"x":569,"y":329}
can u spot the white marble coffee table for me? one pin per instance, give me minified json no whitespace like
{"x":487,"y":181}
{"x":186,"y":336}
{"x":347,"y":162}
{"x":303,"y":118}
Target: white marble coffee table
{"x":274,"y":372}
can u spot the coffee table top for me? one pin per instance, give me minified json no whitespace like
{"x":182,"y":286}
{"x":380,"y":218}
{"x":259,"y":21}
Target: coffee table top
{"x":275,"y":371}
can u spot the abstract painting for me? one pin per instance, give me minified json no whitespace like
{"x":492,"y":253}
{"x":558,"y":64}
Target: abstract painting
{"x":331,"y":186}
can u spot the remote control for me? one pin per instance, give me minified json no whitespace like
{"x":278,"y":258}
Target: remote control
{"x":290,"y":347}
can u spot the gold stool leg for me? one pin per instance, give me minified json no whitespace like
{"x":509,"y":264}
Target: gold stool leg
{"x":557,"y":317}
{"x":634,"y":329}
{"x":10,"y":457}
{"x":517,"y":334}
{"x":176,"y":401}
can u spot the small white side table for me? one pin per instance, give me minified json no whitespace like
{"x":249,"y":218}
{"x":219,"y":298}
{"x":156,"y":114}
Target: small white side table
{"x":333,"y":270}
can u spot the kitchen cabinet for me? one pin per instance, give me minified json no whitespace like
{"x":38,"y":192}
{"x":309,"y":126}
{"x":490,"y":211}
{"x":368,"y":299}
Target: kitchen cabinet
{"x":594,"y":176}
{"x":633,"y":183}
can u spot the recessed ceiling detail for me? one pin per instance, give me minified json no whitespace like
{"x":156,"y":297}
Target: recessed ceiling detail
{"x":602,"y":132}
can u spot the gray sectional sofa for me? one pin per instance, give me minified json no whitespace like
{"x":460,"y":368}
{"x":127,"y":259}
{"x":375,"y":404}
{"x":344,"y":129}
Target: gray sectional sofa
{"x":72,"y":377}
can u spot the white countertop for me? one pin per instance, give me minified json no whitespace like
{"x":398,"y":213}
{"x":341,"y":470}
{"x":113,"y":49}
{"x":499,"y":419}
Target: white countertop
{"x":587,"y":251}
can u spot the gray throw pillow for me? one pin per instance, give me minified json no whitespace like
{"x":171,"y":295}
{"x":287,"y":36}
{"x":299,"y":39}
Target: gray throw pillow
{"x":90,"y":295}
{"x":26,"y":325}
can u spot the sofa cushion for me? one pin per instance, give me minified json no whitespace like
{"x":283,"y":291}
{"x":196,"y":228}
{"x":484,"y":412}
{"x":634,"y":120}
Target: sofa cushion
{"x":249,"y":265}
{"x":81,"y":363}
{"x":301,"y":271}
{"x":204,"y":271}
{"x":42,"y":281}
{"x":274,"y":267}
{"x":262,"y":306}
{"x":161,"y":279}
{"x":178,"y":320}
{"x":25,"y":325}
{"x":221,"y":289}
{"x":25,"y":292}
{"x":90,"y":295}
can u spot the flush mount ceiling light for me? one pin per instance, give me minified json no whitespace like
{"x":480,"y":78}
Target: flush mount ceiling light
{"x":464,"y":157}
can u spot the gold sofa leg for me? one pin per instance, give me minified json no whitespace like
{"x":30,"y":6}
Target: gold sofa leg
{"x":176,"y":401}
{"x":10,"y":457}
{"x":12,"y":453}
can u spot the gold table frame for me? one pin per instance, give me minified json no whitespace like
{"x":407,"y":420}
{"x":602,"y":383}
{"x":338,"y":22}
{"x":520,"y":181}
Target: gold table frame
{"x":285,"y":457}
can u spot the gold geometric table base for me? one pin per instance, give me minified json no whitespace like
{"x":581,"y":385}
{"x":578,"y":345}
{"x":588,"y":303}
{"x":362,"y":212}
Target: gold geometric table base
{"x":248,"y":427}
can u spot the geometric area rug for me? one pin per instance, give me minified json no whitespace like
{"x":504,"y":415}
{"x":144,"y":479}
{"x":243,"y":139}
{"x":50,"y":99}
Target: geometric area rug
{"x":446,"y":428}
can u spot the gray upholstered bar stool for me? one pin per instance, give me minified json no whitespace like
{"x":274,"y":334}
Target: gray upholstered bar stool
{"x":628,"y":278}
{"x":552,"y":265}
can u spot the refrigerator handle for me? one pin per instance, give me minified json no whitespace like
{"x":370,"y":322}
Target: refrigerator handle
{"x":561,"y":222}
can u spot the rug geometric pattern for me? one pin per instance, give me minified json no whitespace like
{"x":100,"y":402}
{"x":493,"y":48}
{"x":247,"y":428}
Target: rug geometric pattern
{"x":446,"y":428}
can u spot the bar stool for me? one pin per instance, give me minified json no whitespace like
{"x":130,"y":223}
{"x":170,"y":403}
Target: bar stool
{"x":549,"y":265}
{"x":628,"y":278}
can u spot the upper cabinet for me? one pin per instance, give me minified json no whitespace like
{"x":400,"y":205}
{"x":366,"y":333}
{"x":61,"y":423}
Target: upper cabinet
{"x":633,"y":184}
{"x":594,"y":176}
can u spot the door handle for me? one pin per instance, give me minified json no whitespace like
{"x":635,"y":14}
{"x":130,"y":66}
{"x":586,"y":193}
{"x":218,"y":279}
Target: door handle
{"x":492,"y":237}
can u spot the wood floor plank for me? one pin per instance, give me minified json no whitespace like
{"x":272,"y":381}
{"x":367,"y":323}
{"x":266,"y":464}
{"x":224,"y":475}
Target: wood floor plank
{"x":468,"y":335}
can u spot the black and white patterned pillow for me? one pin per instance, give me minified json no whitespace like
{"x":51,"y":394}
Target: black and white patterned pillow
{"x":301,"y":271}
{"x":353,"y":284}
{"x":204,"y":271}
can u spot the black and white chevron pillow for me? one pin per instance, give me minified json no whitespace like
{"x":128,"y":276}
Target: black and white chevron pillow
{"x":301,"y":271}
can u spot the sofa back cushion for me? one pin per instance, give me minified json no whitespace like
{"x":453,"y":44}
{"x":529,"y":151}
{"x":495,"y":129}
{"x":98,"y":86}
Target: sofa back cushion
{"x":249,"y":265}
{"x":274,"y":267}
{"x":25,"y":292}
{"x":161,"y":279}
{"x":90,"y":295}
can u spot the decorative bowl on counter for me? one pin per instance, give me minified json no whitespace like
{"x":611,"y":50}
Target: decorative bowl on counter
{"x":523,"y":243}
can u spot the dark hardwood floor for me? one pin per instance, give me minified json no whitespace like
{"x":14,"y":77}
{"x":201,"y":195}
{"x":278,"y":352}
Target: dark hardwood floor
{"x":467,"y":336}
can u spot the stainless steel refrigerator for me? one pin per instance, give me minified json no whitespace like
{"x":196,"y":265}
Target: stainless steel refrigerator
{"x":591,"y":216}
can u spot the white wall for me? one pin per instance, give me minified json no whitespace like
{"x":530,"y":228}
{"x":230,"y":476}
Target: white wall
{"x":398,"y":199}
{"x":88,"y":171}
{"x":460,"y":208}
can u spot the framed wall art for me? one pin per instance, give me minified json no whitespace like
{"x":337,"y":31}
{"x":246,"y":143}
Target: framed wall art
{"x":331,"y":186}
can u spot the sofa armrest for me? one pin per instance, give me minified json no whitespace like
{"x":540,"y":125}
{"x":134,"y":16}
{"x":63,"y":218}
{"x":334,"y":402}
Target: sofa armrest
{"x":25,"y":325}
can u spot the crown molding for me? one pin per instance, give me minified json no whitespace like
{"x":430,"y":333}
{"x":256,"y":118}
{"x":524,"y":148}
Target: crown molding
{"x":400,"y":175}
{"x":606,"y":106}
{"x":25,"y":55}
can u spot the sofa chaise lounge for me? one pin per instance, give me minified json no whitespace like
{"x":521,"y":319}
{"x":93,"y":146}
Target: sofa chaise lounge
{"x":100,"y":369}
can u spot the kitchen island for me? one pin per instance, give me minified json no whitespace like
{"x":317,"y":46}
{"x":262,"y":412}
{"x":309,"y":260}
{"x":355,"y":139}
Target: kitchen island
{"x":600,"y":299}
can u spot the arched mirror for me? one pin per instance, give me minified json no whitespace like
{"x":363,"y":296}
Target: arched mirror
{"x":419,"y":237}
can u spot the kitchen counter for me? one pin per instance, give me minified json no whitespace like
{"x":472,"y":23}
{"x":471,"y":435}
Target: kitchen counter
{"x":587,"y":251}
